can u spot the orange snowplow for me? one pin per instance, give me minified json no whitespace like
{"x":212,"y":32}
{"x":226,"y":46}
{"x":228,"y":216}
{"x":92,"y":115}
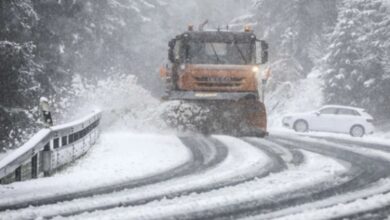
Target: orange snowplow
{"x":218,"y":72}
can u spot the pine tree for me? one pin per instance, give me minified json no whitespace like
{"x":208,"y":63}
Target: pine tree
{"x":19,"y":73}
{"x":356,"y":61}
{"x":295,"y":30}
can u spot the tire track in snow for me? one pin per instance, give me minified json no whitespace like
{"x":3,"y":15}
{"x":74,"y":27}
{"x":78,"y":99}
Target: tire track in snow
{"x":349,"y":142}
{"x":279,"y":200}
{"x":372,"y":169}
{"x":375,"y":213}
{"x":201,"y":187}
{"x":210,"y":205}
{"x":196,"y":143}
{"x":373,"y":203}
{"x":364,"y":170}
{"x":200,"y":153}
{"x":281,"y":155}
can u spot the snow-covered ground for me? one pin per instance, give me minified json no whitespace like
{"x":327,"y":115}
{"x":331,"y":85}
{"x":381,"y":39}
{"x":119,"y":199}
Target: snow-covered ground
{"x":373,"y":196}
{"x":379,"y":138}
{"x":364,"y":202}
{"x":243,"y":160}
{"x":117,"y":157}
{"x":316,"y":169}
{"x":123,"y":156}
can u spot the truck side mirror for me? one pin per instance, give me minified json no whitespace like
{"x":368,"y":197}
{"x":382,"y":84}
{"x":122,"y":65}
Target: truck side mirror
{"x":261,"y":52}
{"x":171,"y":53}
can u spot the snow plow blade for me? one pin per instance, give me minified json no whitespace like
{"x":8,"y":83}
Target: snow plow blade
{"x":210,"y":96}
{"x":214,"y":114}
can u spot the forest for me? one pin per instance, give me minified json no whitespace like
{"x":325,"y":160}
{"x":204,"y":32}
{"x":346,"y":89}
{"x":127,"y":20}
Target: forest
{"x":322,"y":52}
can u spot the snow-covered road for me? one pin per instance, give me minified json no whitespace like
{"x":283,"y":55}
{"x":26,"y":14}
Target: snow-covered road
{"x":133,"y":176}
{"x":117,"y":159}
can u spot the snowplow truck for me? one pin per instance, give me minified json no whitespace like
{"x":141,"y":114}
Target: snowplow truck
{"x":212,"y":83}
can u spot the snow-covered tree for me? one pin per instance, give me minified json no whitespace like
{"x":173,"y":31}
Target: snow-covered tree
{"x":44,"y":44}
{"x":20,"y":75}
{"x":357,"y":58}
{"x":295,"y":30}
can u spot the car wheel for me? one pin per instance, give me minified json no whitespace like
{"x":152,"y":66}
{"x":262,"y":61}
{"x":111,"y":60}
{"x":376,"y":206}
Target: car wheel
{"x":357,"y":131}
{"x":301,"y":126}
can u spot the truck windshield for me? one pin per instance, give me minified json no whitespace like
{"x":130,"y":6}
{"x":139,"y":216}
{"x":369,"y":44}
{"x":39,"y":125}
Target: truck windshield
{"x":220,"y":53}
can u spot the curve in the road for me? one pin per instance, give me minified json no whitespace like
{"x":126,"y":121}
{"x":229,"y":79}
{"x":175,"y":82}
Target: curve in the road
{"x":373,"y":213}
{"x":199,"y":150}
{"x":276,"y":165}
{"x":364,"y":170}
{"x":369,"y":170}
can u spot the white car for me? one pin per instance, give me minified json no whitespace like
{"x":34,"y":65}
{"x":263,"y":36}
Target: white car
{"x":332,"y":118}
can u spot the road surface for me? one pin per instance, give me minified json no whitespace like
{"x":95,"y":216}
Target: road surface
{"x":284,"y":176}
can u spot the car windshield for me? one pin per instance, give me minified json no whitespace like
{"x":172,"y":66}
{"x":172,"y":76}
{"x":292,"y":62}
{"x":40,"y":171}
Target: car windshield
{"x":220,"y":53}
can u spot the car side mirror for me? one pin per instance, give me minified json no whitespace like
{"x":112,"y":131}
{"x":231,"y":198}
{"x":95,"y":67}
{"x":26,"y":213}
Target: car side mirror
{"x":261,"y":52}
{"x":318,"y":113}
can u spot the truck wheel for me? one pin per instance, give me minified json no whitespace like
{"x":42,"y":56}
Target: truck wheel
{"x":357,"y":131}
{"x":301,"y":126}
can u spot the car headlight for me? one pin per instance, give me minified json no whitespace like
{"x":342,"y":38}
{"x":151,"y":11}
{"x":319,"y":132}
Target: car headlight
{"x":255,"y":69}
{"x":287,"y":118}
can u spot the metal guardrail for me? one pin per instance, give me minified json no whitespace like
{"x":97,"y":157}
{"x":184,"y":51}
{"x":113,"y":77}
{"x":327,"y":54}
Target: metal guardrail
{"x":50,"y":149}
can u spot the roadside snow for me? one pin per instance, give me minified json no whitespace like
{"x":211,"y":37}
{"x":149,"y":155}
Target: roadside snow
{"x":371,"y":139}
{"x":382,"y":134}
{"x":366,"y":151}
{"x":117,"y":157}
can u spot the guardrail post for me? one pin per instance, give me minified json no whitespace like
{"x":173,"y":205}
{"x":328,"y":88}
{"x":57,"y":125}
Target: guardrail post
{"x":18,"y":174}
{"x":46,"y":160}
{"x":34,"y":166}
